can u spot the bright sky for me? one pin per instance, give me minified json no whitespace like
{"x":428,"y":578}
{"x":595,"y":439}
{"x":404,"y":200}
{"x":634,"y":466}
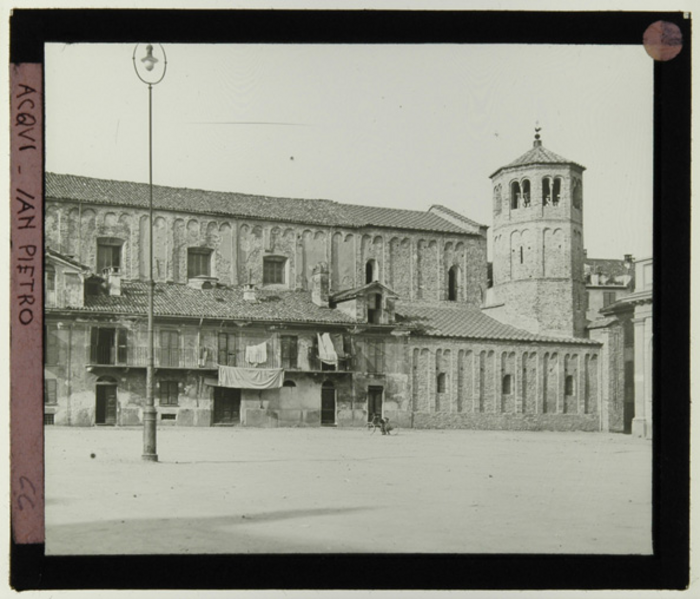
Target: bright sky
{"x":397,"y":126}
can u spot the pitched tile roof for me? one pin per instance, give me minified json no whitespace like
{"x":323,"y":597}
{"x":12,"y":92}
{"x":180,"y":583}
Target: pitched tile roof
{"x":607,"y":266}
{"x":59,"y":256}
{"x":312,"y":212}
{"x":538,"y":154}
{"x":451,"y":319}
{"x":439,"y":319}
{"x":172,"y":299}
{"x":348,"y":294}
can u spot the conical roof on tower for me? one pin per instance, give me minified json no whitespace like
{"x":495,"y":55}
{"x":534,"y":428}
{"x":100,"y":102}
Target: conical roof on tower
{"x":537,"y":155}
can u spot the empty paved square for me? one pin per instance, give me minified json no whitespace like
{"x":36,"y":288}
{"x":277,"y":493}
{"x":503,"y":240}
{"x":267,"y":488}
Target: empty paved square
{"x":236,"y":490}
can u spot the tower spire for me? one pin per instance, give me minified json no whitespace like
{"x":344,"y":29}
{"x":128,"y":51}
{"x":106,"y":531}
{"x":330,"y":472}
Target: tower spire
{"x":538,"y":142}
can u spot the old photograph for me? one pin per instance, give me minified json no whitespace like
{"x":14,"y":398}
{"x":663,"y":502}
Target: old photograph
{"x":347,"y":299}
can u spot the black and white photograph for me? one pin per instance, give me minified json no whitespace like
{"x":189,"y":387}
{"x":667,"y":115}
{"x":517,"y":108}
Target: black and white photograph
{"x":348,"y":299}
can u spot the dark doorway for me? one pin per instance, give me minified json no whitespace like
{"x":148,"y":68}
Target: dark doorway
{"x":106,"y":402}
{"x":328,"y":404}
{"x":227,"y":406}
{"x":374,"y":402}
{"x":628,"y":406}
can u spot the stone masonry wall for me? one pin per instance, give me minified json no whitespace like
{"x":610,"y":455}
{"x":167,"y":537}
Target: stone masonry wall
{"x":414,"y":263}
{"x":476,"y":395}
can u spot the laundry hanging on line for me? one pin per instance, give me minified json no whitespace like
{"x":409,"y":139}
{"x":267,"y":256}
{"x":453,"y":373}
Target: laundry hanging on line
{"x":256,"y":354}
{"x":326,"y":351}
{"x":250,"y":378}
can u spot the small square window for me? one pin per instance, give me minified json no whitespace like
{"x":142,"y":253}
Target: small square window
{"x":198,"y":262}
{"x":48,"y":419}
{"x":274,"y":270}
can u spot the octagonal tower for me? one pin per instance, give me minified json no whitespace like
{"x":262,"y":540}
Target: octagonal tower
{"x":538,"y":242}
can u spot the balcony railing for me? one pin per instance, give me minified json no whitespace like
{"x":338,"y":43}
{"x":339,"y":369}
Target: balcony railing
{"x":137,"y":357}
{"x":102,"y":355}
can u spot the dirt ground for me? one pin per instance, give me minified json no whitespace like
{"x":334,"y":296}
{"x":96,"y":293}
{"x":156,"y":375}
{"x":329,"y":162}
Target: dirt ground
{"x":235,"y":490}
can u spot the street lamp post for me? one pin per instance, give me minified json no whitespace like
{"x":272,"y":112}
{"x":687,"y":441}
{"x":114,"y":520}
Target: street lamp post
{"x":150,"y":69}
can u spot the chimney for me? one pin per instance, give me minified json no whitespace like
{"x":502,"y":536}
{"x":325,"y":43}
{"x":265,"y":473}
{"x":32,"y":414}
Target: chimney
{"x":628,"y":258}
{"x":249,"y":294}
{"x":320,"y":285}
{"x":114,"y":280}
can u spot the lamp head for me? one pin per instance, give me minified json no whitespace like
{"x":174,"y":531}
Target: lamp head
{"x":150,"y":63}
{"x":149,"y":60}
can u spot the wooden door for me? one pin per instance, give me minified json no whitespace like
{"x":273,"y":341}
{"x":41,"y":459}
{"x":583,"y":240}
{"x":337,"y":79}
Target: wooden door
{"x":327,"y":405}
{"x":374,"y":402}
{"x":227,"y":406}
{"x":106,"y":405}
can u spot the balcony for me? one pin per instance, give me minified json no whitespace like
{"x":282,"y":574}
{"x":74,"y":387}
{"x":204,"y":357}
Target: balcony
{"x":137,"y":357}
{"x":194,"y":359}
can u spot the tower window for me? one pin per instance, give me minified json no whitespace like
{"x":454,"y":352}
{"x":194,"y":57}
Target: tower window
{"x":526,"y":193}
{"x":577,"y":193}
{"x":441,"y":382}
{"x":198,"y":262}
{"x":521,"y":254}
{"x":546,"y":191}
{"x":556,"y":196}
{"x":515,"y":195}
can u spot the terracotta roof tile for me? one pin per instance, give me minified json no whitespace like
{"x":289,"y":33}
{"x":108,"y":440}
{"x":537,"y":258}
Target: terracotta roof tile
{"x":445,"y":319}
{"x":312,"y":212}
{"x":172,"y":299}
{"x":537,"y":155}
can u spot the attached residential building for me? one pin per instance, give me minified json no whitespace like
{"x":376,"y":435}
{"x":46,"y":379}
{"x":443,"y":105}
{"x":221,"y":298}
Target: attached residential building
{"x":343,"y":311}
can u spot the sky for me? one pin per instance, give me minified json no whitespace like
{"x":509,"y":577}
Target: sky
{"x":397,"y":126}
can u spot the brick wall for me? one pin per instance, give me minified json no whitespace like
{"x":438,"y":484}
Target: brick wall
{"x":415,"y":264}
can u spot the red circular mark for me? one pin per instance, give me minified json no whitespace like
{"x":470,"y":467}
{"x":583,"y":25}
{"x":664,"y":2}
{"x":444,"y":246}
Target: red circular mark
{"x":663,"y":40}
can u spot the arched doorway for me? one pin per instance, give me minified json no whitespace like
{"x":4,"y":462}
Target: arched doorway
{"x":328,"y":404}
{"x":106,"y":401}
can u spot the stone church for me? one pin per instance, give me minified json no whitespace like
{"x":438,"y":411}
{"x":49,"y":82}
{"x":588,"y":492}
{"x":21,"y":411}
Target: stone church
{"x":345,"y":310}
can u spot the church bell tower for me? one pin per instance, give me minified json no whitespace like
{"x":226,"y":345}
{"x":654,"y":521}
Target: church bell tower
{"x":538,"y":242}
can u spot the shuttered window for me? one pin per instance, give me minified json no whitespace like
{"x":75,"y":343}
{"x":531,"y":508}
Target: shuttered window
{"x":227,"y":349}
{"x":169,"y":349}
{"x":108,"y":345}
{"x":198,"y":262}
{"x":374,"y":356}
{"x":51,"y":346}
{"x":289,"y":351}
{"x":168,"y":393}
{"x":50,"y":391}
